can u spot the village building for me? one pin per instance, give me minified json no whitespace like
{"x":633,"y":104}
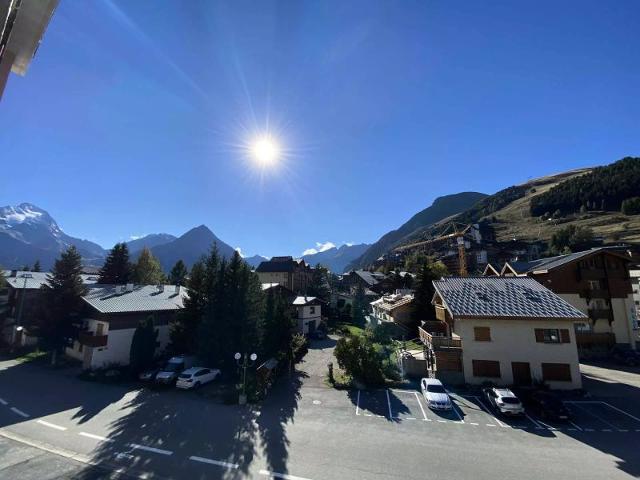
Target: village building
{"x":395,"y":308}
{"x":306,"y":311}
{"x":292,"y":274}
{"x":504,"y":330}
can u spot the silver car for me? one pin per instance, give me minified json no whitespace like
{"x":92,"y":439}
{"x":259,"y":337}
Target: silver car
{"x":435,"y":394}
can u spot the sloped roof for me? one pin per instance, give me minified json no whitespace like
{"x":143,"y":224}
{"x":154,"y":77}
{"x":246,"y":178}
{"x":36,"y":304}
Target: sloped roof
{"x":545,"y":264}
{"x":38,"y":279}
{"x":502,"y":297}
{"x":143,"y":298}
{"x":278,"y":264}
{"x":371,"y":278}
{"x":298,"y":301}
{"x":387,"y":304}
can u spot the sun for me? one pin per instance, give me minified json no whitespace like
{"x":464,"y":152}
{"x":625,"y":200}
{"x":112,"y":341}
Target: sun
{"x":265,"y":150}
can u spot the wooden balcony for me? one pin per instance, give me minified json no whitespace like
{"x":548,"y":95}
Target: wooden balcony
{"x":591,"y":340}
{"x":596,"y":293}
{"x":601,"y":314}
{"x":90,"y":339}
{"x":438,"y":342}
{"x":592,"y":273}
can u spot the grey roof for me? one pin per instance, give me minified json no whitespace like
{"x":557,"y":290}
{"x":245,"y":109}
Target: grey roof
{"x":38,"y":279}
{"x":305,"y":300}
{"x":143,"y":298}
{"x":554,"y":262}
{"x":502,"y":297}
{"x":371,"y":278}
{"x":278,"y":264}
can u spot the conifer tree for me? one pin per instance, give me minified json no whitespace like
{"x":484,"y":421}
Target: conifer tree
{"x":319,"y":286}
{"x":61,"y":301}
{"x":178,"y":273}
{"x":147,"y":270}
{"x":36,"y":266}
{"x":143,"y":345}
{"x":117,"y":268}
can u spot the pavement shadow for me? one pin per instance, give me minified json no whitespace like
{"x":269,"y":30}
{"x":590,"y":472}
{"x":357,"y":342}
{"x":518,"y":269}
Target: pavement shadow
{"x":380,"y":403}
{"x":321,"y":344}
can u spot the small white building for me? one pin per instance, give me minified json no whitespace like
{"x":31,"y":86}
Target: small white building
{"x":308,"y":314}
{"x":113,"y":312}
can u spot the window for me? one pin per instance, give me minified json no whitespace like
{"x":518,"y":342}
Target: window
{"x":312,"y":310}
{"x":482,"y":334}
{"x":556,"y":372}
{"x":486,"y":368}
{"x":552,"y":335}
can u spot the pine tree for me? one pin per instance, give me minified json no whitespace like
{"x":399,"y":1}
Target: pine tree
{"x":276,"y":327}
{"x":36,"y":266}
{"x":143,"y":346}
{"x":184,"y":333}
{"x":319,"y":286}
{"x":178,"y":273}
{"x":424,"y":290}
{"x":61,"y":301}
{"x":117,"y":268}
{"x":147,"y":270}
{"x":360,"y":307}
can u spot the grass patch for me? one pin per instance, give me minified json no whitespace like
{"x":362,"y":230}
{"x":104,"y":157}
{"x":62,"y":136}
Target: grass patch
{"x":37,"y":355}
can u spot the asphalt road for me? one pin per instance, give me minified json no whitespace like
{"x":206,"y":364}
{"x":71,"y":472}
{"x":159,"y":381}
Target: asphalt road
{"x":304,"y":430}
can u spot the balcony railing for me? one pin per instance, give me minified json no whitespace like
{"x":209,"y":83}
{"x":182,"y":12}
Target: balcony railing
{"x":437,"y":341}
{"x":600,"y":314}
{"x":90,"y":339}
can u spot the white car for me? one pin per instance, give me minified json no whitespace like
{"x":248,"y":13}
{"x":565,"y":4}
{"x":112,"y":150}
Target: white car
{"x":195,"y":377}
{"x":435,"y":394}
{"x":504,"y":401}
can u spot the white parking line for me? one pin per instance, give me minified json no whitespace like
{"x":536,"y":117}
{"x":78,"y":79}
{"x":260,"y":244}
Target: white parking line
{"x":576,"y":426}
{"x":358,"y":404}
{"x":95,"y":437}
{"x":52,"y":425}
{"x":389,"y":404}
{"x":20,"y":412}
{"x":594,"y":415}
{"x":283,"y":476}
{"x":621,"y":411}
{"x":3,"y":402}
{"x":214,"y":462}
{"x":421,"y":408}
{"x":136,"y":446}
{"x":484,"y":407}
{"x":472,"y":423}
{"x":535,"y":424}
{"x":455,"y":410}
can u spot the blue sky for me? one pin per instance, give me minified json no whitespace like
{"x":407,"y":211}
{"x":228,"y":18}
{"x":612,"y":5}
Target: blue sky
{"x":134,"y":115}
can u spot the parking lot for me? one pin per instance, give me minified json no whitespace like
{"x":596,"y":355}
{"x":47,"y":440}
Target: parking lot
{"x":472,"y":411}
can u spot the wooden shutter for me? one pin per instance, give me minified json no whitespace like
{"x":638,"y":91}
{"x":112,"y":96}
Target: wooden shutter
{"x":556,"y":372}
{"x":539,"y":335}
{"x":486,"y":368}
{"x":564,"y":336}
{"x":482,"y":334}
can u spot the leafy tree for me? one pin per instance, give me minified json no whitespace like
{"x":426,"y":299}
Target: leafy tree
{"x":147,"y":270}
{"x":319,"y":285}
{"x":36,"y":266}
{"x":143,"y":346}
{"x":571,"y":239}
{"x":357,"y":356}
{"x":117,"y":268}
{"x":178,"y":273}
{"x":61,"y":301}
{"x":631,"y":206}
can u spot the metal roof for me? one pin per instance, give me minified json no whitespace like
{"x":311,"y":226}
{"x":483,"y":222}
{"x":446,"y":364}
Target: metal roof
{"x":371,"y":278}
{"x":502,"y":297}
{"x":38,"y":279}
{"x":544,"y":264}
{"x":143,"y":298}
{"x":305,"y":300}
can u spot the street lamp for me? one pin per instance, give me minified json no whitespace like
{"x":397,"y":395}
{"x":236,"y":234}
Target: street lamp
{"x":244,"y":361}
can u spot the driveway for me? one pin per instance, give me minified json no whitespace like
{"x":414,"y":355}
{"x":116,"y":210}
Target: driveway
{"x":314,"y":364}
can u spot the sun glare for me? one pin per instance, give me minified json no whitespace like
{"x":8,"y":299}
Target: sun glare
{"x":265,"y":150}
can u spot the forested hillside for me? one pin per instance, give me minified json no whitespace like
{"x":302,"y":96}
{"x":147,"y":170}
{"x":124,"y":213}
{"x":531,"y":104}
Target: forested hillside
{"x":605,"y":188}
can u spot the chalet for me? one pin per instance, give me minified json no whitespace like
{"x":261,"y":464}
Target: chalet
{"x":394,"y":308}
{"x":504,"y":330}
{"x":112,"y":313}
{"x":292,"y":274}
{"x":307,"y":311}
{"x":597,"y":282}
{"x":377,"y":282}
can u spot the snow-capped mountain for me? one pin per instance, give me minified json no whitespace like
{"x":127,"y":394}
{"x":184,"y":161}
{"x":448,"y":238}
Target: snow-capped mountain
{"x":149,"y":241}
{"x":336,"y":259}
{"x":28,"y":233}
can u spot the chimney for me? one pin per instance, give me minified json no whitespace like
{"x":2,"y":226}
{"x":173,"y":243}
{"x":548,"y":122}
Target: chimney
{"x":177,"y":289}
{"x":119,"y":289}
{"x":129,"y":287}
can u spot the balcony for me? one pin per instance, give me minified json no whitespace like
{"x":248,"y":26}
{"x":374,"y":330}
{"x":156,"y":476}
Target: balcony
{"x":90,"y":339}
{"x":439,"y":342}
{"x":596,"y":293}
{"x":592,"y":273}
{"x":601,"y":314}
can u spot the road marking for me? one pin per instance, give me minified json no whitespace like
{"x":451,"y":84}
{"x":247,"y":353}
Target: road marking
{"x":596,"y":416}
{"x":136,"y":446}
{"x":409,"y":418}
{"x":95,"y":437}
{"x":20,"y":412}
{"x":577,"y":427}
{"x":484,"y":407}
{"x":453,"y":405}
{"x":490,"y":425}
{"x":284,"y":476}
{"x":389,"y":404}
{"x":472,"y":423}
{"x":589,"y":430}
{"x":52,"y":425}
{"x":623,"y":430}
{"x":421,"y":408}
{"x":4,"y":402}
{"x":535,"y":423}
{"x":442,"y":421}
{"x":358,"y":404}
{"x":606,"y":430}
{"x":621,"y":411}
{"x":214,"y":462}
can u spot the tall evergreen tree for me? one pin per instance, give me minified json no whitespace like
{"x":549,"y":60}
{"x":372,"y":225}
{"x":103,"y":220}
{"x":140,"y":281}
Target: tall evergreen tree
{"x":424,"y":290}
{"x":276,"y":327}
{"x":319,"y":285}
{"x":61,"y":301}
{"x":117,"y":268}
{"x":360,"y":307}
{"x":184,"y":333}
{"x":36,"y":266}
{"x":178,"y":273}
{"x":143,"y":345}
{"x":147,"y":270}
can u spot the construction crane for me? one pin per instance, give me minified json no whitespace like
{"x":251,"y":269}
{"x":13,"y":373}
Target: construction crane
{"x":453,"y":230}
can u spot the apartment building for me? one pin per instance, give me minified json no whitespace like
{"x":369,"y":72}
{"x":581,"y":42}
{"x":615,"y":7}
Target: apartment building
{"x":292,"y":274}
{"x":504,"y":330}
{"x":395,"y":308}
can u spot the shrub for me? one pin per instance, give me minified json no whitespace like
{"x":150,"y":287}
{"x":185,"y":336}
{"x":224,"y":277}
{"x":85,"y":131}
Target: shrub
{"x":357,"y":356}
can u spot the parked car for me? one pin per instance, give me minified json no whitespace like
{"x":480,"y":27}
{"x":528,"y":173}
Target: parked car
{"x":503,"y":401}
{"x":435,"y":394}
{"x":149,"y":375}
{"x":548,"y":406}
{"x":626,"y":357}
{"x":195,"y":377}
{"x":174,"y":367}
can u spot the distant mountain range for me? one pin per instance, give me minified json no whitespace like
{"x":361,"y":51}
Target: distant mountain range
{"x":441,"y":208}
{"x":255,"y":260}
{"x":337,"y":259}
{"x":149,"y":241}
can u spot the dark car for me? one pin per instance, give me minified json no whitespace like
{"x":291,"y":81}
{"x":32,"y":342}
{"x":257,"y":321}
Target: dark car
{"x":548,"y":406}
{"x":626,"y":357}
